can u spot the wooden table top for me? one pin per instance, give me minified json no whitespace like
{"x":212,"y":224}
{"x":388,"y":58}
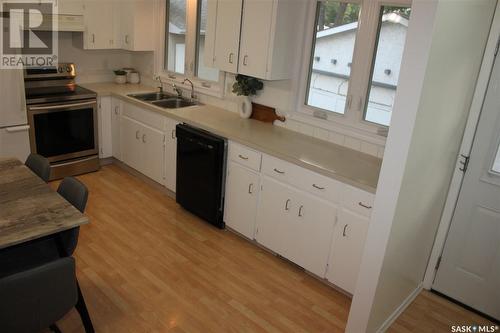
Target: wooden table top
{"x":29,"y":208}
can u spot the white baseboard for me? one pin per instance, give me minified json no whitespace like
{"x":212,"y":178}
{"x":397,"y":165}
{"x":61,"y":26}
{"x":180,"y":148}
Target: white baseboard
{"x":401,"y":308}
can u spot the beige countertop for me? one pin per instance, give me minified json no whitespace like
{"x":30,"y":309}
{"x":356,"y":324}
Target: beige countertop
{"x":338,"y":162}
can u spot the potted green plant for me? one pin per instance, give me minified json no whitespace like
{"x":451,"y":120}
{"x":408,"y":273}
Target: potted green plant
{"x":120,"y":76}
{"x":246,"y":86}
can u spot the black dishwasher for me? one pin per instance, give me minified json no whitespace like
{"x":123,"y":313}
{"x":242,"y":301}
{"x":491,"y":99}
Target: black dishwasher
{"x":201,"y":169}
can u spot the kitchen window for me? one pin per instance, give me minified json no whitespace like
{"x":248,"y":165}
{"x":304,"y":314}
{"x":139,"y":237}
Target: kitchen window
{"x":184,"y":46}
{"x":353,"y":67}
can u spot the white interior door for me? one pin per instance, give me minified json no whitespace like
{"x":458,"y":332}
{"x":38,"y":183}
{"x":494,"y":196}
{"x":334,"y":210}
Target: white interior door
{"x":470,"y":266}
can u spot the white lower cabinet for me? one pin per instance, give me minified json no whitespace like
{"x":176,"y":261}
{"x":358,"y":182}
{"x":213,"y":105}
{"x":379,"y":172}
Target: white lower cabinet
{"x":142,"y":148}
{"x":116,"y":115}
{"x":242,"y":192}
{"x":295,"y":225}
{"x":347,"y":250}
{"x":170,"y":154}
{"x":104,"y":127}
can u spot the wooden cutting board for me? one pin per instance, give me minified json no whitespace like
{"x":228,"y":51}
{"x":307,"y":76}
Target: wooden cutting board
{"x":265,"y":113}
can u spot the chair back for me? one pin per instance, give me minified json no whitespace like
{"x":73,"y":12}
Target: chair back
{"x":39,"y":165}
{"x":34,"y":299}
{"x":76,"y":193}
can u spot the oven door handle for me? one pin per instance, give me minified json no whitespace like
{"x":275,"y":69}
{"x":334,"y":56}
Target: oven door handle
{"x":61,"y":106}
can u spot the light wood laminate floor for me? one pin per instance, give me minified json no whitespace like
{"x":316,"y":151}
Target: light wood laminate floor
{"x":146,"y":265}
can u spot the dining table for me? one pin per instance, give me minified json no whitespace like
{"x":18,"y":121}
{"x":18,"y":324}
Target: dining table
{"x":29,"y":207}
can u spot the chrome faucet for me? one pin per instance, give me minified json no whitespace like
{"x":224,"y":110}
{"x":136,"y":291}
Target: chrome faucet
{"x":158,"y":78}
{"x":192,"y":88}
{"x":177,"y":90}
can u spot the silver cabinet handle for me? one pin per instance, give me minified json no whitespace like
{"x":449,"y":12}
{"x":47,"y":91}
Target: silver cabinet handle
{"x":318,"y":187}
{"x":173,"y":134}
{"x":250,"y":188}
{"x":61,"y":106}
{"x":93,"y":38}
{"x":344,"y":232}
{"x":231,"y":57}
{"x":116,"y":110}
{"x":243,"y":157}
{"x":144,"y":138}
{"x":279,"y":171}
{"x":126,"y":39}
{"x":245,"y":60}
{"x":300,"y":211}
{"x":287,"y":205}
{"x":364,"y":206}
{"x":137,"y":135}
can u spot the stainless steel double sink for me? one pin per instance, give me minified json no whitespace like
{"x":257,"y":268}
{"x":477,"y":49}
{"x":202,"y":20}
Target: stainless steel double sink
{"x":164,"y":100}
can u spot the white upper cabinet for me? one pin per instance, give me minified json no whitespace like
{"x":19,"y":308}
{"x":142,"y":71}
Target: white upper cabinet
{"x":256,"y":39}
{"x":69,"y":7}
{"x":225,"y":25}
{"x":119,"y":24}
{"x":136,"y":25}
{"x":98,"y":18}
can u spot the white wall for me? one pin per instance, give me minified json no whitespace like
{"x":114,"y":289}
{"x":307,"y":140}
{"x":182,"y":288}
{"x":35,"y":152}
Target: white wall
{"x":436,"y":87}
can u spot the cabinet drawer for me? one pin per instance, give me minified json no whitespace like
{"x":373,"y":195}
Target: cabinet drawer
{"x":245,"y":156}
{"x":144,"y":116}
{"x":319,"y":185}
{"x":358,"y":200}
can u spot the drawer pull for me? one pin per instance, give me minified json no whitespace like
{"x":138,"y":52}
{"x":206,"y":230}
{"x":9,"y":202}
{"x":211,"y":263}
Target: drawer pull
{"x":243,"y":157}
{"x":364,"y":206}
{"x":279,"y":171}
{"x":144,"y":138}
{"x":173,"y":134}
{"x":318,"y":187}
{"x":137,"y":135}
{"x":344,"y":232}
{"x":250,"y":188}
{"x":286,"y":205}
{"x":300,"y":211}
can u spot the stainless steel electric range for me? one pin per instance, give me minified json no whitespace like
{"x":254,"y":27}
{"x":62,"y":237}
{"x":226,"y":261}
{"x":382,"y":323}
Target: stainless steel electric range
{"x":63,"y":120}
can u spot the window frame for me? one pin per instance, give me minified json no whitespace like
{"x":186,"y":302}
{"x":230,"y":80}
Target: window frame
{"x":205,"y":87}
{"x":360,"y":76}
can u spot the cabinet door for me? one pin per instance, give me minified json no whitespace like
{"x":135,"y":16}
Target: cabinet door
{"x":255,"y":37}
{"x":69,"y":7}
{"x":152,"y":152}
{"x":130,"y":143}
{"x":242,"y":189}
{"x":98,"y":17}
{"x":170,"y":155}
{"x":312,"y":229}
{"x":105,"y":127}
{"x":347,"y":250}
{"x":115,"y":128}
{"x":227,"y":35}
{"x":274,"y":216}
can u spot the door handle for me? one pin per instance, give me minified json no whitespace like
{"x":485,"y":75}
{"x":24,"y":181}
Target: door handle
{"x":243,"y":157}
{"x":245,"y":60}
{"x":279,"y":171}
{"x":318,"y":187}
{"x":250,"y":188}
{"x":144,"y":138}
{"x":17,"y":129}
{"x":93,"y":38}
{"x":61,"y":106}
{"x":364,"y":206}
{"x":126,"y":39}
{"x":173,"y":134}
{"x":116,"y":110}
{"x":231,"y":57}
{"x":137,"y":135}
{"x":344,"y":232}
{"x":286,"y":205}
{"x":300,"y":211}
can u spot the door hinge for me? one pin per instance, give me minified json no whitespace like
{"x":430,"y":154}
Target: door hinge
{"x":438,"y":262}
{"x":498,"y":46}
{"x":464,"y":162}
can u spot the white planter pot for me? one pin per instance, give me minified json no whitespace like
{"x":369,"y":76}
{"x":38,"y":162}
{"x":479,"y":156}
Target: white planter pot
{"x":245,"y":107}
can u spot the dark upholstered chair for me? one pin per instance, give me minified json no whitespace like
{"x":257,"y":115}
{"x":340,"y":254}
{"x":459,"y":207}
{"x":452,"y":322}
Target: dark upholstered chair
{"x":76,"y":193}
{"x":35,"y":263}
{"x":39,"y":165}
{"x":34,"y":299}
